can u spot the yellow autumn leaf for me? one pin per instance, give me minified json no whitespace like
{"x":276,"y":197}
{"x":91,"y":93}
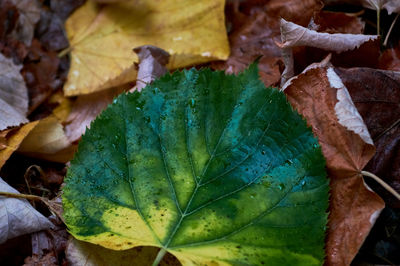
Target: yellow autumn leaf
{"x":47,"y":140}
{"x":102,"y":38}
{"x":11,"y":139}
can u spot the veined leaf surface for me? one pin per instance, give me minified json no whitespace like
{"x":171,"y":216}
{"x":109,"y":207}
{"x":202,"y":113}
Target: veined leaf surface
{"x":215,"y":169}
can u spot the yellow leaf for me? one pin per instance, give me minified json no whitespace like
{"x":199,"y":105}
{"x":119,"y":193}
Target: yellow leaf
{"x":84,"y":253}
{"x":102,"y":38}
{"x":48,"y":141}
{"x":11,"y":139}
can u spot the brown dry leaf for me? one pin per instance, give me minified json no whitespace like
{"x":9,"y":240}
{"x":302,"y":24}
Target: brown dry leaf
{"x":320,"y":96}
{"x":390,"y":5}
{"x":40,"y":72}
{"x":298,"y":12}
{"x":390,"y":59}
{"x":293,"y":35}
{"x":338,"y":22}
{"x":253,"y":38}
{"x":255,"y":30}
{"x":376,"y":94}
{"x":48,"y":141}
{"x":85,"y":109}
{"x":13,"y":94}
{"x":152,"y":62}
{"x":83,"y":253}
{"x":102,"y":39}
{"x":18,"y":217}
{"x":29,"y":15}
{"x":11,"y":139}
{"x":47,"y":260}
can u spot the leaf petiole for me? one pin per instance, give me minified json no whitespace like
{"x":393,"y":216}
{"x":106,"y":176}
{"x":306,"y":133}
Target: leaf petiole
{"x":20,"y":196}
{"x":382,"y":183}
{"x":160,"y":256}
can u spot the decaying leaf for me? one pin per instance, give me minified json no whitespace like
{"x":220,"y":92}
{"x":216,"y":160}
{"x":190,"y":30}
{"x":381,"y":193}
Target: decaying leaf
{"x":48,"y":141}
{"x":102,"y":38}
{"x":390,"y":59}
{"x":298,"y":12}
{"x":40,"y":72}
{"x":29,"y":15}
{"x":376,"y":93}
{"x":18,"y":217}
{"x":255,"y":30}
{"x":214,"y":169}
{"x":338,"y":22}
{"x":13,"y":94}
{"x":295,"y":35}
{"x":85,"y":109}
{"x":320,"y":96}
{"x":152,"y":62}
{"x":11,"y":139}
{"x":79,"y":252}
{"x":390,"y":5}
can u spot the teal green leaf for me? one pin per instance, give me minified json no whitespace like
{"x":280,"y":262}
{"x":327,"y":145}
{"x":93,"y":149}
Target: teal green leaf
{"x":215,"y":169}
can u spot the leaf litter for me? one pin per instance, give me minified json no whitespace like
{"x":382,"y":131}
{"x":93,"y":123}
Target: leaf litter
{"x":248,"y":40}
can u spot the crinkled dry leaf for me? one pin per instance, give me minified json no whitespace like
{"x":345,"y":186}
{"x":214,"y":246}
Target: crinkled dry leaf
{"x":320,"y":96}
{"x":48,"y":141}
{"x":152,"y":62}
{"x":255,"y":30}
{"x":390,"y":5}
{"x":13,"y":94}
{"x":293,"y":35}
{"x":79,"y":253}
{"x":18,"y":217}
{"x":29,"y":15}
{"x":296,"y":35}
{"x":376,"y":93}
{"x":11,"y":139}
{"x":102,"y":38}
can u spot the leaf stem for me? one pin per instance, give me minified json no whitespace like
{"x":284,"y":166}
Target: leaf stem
{"x":160,"y":256}
{"x":378,"y":21}
{"x":20,"y":196}
{"x":390,"y":30}
{"x":383,"y":183}
{"x":64,"y":52}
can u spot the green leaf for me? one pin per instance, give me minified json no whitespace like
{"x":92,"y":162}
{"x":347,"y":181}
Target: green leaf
{"x":215,"y":169}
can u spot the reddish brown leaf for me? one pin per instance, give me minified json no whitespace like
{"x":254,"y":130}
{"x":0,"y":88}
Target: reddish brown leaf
{"x":40,"y":74}
{"x":320,"y":97}
{"x":390,"y":59}
{"x":256,"y":37}
{"x":338,"y":22}
{"x":298,"y":12}
{"x":376,"y":93}
{"x":256,"y":30}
